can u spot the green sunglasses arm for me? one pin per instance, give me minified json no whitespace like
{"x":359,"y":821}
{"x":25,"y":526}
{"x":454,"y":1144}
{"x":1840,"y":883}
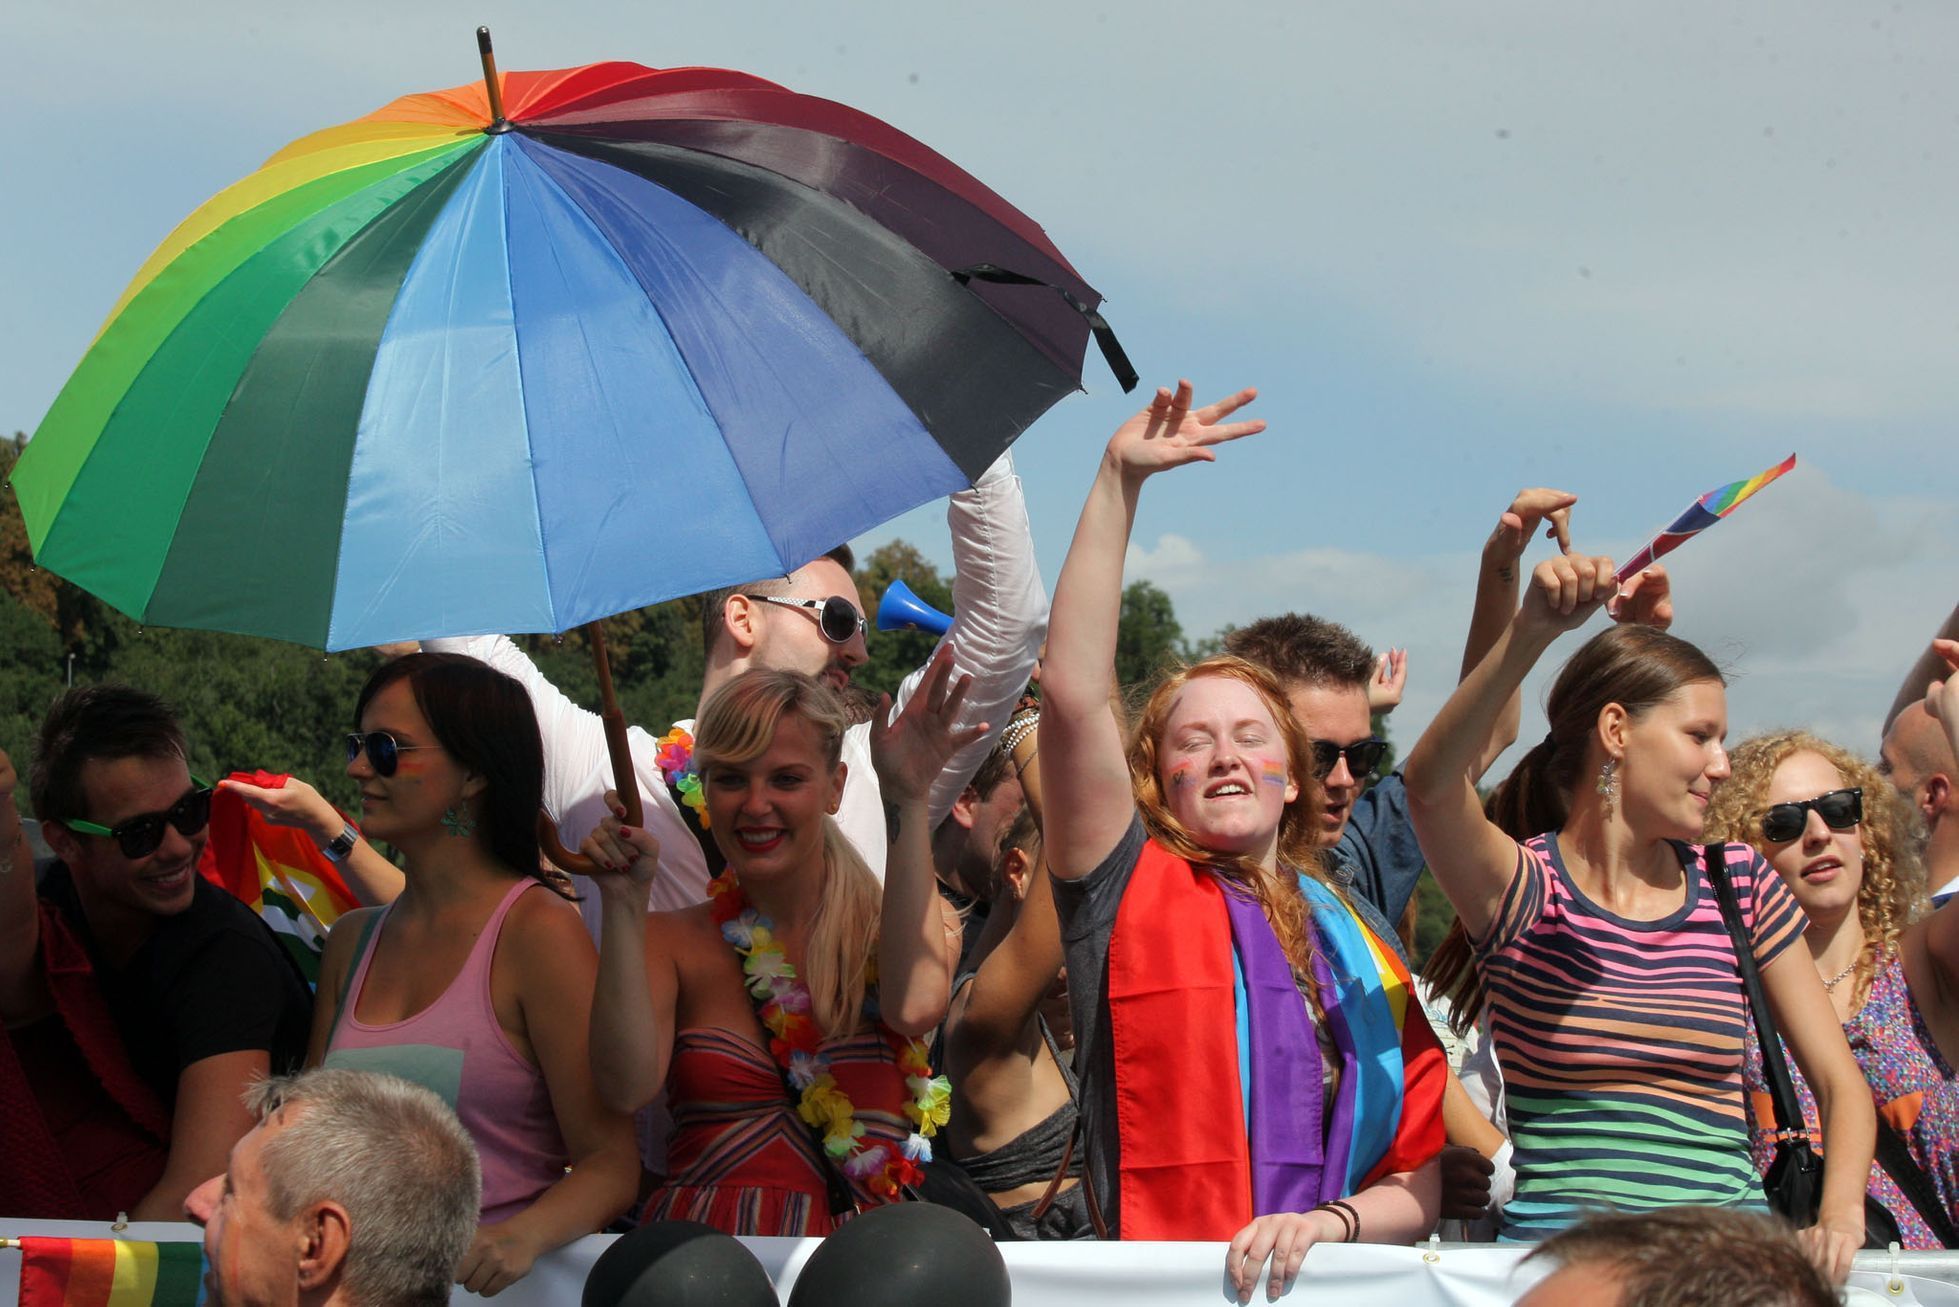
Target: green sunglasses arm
{"x":94,"y":828}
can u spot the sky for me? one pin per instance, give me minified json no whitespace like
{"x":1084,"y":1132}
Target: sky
{"x":1630,"y":251}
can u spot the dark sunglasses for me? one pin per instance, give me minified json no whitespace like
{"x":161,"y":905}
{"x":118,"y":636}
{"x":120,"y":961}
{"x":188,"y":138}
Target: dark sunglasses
{"x":1839,"y":809}
{"x":836,"y":616}
{"x":1363,"y":756}
{"x":139,"y":836}
{"x":383,"y":751}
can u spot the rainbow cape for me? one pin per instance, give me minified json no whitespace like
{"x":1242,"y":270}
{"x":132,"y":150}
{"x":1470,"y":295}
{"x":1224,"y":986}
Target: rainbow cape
{"x":109,"y":1273}
{"x":1700,"y":515}
{"x":1220,"y":1111}
{"x":277,"y":871}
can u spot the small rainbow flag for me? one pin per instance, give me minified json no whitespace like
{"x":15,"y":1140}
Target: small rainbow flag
{"x":1700,"y":515}
{"x":277,"y":871}
{"x":109,"y":1273}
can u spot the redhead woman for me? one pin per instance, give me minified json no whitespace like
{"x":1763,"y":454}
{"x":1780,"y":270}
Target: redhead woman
{"x":476,"y":980}
{"x":1612,"y":983}
{"x":785,"y":1017}
{"x":1246,"y":1072}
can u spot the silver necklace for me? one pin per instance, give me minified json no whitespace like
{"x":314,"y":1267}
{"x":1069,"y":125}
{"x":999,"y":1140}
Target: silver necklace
{"x":1840,"y":977}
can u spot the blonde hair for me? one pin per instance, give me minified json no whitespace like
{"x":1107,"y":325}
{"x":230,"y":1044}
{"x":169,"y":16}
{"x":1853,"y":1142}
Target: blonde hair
{"x":737,"y":725}
{"x":1277,"y":891}
{"x":1892,"y":892}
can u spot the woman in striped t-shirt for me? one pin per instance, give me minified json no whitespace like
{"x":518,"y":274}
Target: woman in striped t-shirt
{"x":1612,"y":985}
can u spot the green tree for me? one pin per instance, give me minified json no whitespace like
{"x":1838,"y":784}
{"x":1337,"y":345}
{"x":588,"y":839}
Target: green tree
{"x":1149,"y":638}
{"x":894,"y":655}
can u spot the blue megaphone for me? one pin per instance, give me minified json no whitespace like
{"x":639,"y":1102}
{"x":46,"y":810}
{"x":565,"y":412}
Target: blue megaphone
{"x":901,"y":610}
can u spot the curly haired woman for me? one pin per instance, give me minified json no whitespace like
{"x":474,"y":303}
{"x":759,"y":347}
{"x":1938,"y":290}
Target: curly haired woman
{"x":1835,"y":831}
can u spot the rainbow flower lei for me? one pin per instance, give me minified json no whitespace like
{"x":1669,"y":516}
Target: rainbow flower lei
{"x":675,"y":757}
{"x":879,"y":1165}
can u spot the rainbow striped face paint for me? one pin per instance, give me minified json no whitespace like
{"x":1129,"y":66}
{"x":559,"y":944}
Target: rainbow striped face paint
{"x":1272,"y":772}
{"x":1183,"y":775}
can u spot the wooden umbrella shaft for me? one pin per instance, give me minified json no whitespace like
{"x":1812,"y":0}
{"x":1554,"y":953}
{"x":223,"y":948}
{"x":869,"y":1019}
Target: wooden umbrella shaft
{"x":624,"y":779}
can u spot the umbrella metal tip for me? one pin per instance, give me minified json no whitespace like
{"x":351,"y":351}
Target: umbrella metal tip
{"x":483,"y":40}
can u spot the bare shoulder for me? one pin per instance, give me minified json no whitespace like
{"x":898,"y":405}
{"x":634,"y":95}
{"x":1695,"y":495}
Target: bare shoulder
{"x":547,"y":927}
{"x":348,"y":927}
{"x":684,"y":926}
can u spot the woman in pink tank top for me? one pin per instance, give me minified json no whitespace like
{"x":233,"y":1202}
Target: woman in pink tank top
{"x":477,"y":980}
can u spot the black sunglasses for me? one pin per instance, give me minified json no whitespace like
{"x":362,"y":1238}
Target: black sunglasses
{"x":139,"y":836}
{"x":836,"y":616}
{"x":1363,"y":756}
{"x":383,"y":751}
{"x":1839,"y":809}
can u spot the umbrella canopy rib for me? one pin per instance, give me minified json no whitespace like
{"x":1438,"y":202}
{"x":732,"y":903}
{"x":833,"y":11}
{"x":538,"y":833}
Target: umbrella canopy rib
{"x":943,"y":225}
{"x":289,"y":169}
{"x":660,"y":98}
{"x":621,"y":434}
{"x":805,"y":416}
{"x":140,"y":468}
{"x":441,"y":510}
{"x":267,"y":508}
{"x":76,"y":422}
{"x":966,"y":373}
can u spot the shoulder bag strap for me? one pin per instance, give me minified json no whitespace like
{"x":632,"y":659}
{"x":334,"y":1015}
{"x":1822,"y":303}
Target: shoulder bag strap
{"x":1782,"y":1090}
{"x":1894,"y":1155}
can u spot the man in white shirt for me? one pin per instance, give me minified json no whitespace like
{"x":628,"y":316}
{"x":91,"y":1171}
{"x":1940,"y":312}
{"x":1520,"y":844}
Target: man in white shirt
{"x":999,"y":621}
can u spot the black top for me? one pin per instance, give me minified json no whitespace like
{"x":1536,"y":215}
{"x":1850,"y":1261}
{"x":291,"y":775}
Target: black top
{"x":209,"y":980}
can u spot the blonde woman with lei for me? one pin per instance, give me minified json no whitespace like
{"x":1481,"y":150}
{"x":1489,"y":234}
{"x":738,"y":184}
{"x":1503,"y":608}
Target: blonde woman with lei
{"x":1252,"y":1065}
{"x":1838,"y":834}
{"x":1612,"y":983}
{"x":785,"y":1016}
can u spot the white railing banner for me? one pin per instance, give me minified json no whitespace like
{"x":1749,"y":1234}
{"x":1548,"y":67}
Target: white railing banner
{"x":1136,"y":1274}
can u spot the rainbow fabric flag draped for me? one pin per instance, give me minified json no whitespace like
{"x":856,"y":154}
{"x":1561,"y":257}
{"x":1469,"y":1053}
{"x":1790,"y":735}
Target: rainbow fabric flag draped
{"x":110,"y":1273}
{"x":277,"y":871}
{"x":1700,"y":515}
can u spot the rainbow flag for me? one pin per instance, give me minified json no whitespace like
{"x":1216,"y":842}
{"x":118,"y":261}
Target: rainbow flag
{"x":277,"y":871}
{"x":1700,"y":515}
{"x":110,"y":1273}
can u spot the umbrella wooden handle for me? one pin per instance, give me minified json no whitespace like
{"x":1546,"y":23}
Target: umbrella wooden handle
{"x":624,"y":780}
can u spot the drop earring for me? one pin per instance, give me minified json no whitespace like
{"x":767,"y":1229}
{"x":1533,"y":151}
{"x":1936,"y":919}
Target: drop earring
{"x":1608,"y":786}
{"x":458,"y":820}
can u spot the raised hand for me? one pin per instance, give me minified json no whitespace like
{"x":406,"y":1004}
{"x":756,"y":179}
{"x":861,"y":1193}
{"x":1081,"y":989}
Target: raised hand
{"x":1646,"y":599}
{"x":1169,"y":433}
{"x":623,"y":857}
{"x":292,"y":803}
{"x":910,"y":751}
{"x":1530,"y":509}
{"x":1565,"y":591}
{"x":1390,"y":678}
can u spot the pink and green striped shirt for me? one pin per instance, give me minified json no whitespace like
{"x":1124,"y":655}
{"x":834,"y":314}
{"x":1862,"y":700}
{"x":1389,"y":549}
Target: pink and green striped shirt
{"x":1621,"y":1040}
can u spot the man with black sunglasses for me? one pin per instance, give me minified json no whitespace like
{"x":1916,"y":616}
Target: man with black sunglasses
{"x":138,"y":999}
{"x":810,"y":621}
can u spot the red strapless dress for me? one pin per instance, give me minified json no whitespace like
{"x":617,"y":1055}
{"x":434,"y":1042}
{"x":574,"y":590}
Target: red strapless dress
{"x":740,"y":1158}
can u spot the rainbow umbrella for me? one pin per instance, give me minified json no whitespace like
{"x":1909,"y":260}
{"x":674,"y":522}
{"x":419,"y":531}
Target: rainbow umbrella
{"x":520,"y":355}
{"x":1700,"y":515}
